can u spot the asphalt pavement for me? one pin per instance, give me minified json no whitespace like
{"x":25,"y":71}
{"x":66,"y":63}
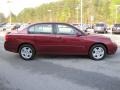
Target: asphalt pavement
{"x":58,"y":72}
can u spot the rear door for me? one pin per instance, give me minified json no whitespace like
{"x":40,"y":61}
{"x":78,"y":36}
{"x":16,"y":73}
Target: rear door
{"x":44,"y":37}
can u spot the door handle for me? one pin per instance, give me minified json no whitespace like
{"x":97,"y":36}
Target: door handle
{"x":59,"y":37}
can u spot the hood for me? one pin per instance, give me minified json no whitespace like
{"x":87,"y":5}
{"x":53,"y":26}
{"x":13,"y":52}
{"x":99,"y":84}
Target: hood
{"x":97,"y":38}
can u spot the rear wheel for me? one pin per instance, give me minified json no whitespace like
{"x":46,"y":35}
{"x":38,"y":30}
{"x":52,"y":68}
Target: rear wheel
{"x":27,"y":52}
{"x":97,"y":52}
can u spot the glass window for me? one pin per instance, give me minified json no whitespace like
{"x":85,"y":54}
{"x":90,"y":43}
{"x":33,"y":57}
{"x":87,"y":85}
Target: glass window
{"x":100,"y":25}
{"x":41,"y":28}
{"x":64,"y":29}
{"x":117,"y":25}
{"x":32,"y":29}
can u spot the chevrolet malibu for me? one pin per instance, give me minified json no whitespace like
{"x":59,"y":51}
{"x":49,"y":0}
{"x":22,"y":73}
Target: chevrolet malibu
{"x":57,"y":39}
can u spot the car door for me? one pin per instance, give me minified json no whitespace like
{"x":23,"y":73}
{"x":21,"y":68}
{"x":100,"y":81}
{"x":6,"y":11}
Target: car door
{"x":68,"y":41}
{"x":44,"y":38}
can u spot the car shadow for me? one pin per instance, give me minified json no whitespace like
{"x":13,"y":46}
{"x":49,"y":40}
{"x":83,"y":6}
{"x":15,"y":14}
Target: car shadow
{"x":73,"y":75}
{"x":61,"y":57}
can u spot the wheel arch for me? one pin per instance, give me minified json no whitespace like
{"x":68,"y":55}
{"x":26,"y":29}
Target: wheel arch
{"x":26,"y":43}
{"x":98,"y":43}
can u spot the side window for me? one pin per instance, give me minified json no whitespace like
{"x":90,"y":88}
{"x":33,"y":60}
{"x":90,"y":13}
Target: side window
{"x":31,"y":29}
{"x":66,"y":30}
{"x":41,"y":29}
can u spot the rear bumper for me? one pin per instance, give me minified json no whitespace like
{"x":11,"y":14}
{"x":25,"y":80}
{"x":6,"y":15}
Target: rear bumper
{"x":9,"y":47}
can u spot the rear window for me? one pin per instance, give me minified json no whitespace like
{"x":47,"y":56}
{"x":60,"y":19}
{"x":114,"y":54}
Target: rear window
{"x":41,"y":29}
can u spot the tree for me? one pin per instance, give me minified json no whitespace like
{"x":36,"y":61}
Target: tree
{"x":2,"y":17}
{"x":64,"y":11}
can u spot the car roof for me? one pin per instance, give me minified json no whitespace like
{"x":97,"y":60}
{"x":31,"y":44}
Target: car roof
{"x":50,"y":23}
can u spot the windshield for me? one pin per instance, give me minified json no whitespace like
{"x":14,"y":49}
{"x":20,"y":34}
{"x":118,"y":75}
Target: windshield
{"x":117,"y":25}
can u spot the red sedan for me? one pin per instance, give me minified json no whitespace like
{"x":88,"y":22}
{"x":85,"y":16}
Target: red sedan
{"x":57,"y":39}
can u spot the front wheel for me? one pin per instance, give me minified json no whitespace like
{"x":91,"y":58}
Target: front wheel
{"x":97,"y":52}
{"x":27,"y":52}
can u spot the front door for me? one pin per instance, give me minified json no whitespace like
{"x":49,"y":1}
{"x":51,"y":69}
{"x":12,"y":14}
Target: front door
{"x":68,"y":41}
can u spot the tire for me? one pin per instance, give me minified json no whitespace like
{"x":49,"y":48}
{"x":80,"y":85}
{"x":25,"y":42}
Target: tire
{"x":106,"y":32}
{"x":27,"y":52}
{"x":97,"y":52}
{"x":94,"y":31}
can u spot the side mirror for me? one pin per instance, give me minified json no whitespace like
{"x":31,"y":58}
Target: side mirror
{"x":78,"y":34}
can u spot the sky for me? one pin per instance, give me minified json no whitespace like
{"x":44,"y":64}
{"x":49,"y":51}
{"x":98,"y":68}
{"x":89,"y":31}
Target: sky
{"x":18,"y":5}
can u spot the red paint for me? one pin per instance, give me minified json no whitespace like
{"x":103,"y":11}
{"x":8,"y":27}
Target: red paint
{"x":57,"y":44}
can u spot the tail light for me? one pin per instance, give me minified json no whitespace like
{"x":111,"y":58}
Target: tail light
{"x":7,"y":36}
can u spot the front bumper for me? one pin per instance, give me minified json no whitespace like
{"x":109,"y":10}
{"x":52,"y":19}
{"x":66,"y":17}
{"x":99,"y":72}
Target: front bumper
{"x":115,"y":31}
{"x":99,"y":30}
{"x":112,"y":48}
